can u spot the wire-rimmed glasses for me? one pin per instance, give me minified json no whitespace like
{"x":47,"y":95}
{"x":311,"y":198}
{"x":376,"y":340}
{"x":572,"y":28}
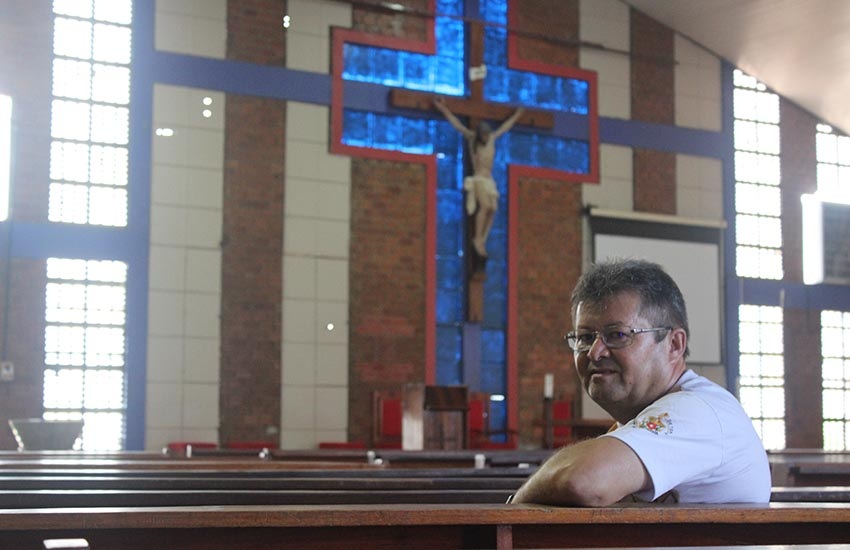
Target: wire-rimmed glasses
{"x":614,"y":337}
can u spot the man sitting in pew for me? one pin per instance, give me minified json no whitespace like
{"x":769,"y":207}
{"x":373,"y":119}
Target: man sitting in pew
{"x":679,"y":437}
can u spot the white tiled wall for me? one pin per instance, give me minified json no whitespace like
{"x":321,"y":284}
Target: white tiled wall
{"x":314,"y":394}
{"x":606,"y":22}
{"x":616,"y":182}
{"x":185,"y":267}
{"x":699,"y":187}
{"x":307,"y":39}
{"x":697,"y":89}
{"x":193,"y":27}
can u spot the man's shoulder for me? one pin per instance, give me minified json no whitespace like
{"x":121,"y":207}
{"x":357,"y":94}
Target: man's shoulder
{"x":698,"y":392}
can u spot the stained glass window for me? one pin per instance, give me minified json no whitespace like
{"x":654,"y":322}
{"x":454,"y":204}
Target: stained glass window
{"x":445,"y":73}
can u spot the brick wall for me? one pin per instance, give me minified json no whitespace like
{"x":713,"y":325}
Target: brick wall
{"x":252,"y":246}
{"x":549,"y":237}
{"x":547,"y":31}
{"x":255,"y":31}
{"x":654,"y":181}
{"x":803,"y":398}
{"x":653,"y":100}
{"x":803,"y":406}
{"x":387,"y":283}
{"x":798,"y":166}
{"x":387,"y":258}
{"x":387,"y":23}
{"x":25,"y":67}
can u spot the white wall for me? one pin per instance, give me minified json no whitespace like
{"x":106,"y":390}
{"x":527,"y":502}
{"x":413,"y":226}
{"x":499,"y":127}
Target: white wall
{"x":314,"y":392}
{"x":184,"y":293}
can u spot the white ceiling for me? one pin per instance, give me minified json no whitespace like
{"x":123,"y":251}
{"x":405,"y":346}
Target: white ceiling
{"x":798,"y":48}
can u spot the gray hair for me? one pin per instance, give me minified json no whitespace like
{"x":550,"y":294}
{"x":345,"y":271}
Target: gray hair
{"x":661,"y":300}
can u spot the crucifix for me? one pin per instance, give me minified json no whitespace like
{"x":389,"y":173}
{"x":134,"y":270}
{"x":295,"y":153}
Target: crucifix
{"x":476,"y":109}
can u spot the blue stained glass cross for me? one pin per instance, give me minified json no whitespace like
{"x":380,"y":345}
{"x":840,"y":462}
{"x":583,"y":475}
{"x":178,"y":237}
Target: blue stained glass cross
{"x":564,"y":149}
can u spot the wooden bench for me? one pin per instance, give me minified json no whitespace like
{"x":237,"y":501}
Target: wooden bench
{"x":90,"y":498}
{"x":183,"y":487}
{"x":430,"y":526}
{"x":810,"y":494}
{"x":809,"y":467}
{"x":84,"y":463}
{"x":257,"y":483}
{"x":819,"y":474}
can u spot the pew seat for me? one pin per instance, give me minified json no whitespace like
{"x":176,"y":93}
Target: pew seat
{"x":430,"y":526}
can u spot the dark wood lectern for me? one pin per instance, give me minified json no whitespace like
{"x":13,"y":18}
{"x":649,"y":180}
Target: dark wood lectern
{"x":434,"y":417}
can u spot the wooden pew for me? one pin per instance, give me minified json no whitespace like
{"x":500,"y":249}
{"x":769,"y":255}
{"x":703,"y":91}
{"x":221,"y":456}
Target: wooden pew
{"x":178,"y":504}
{"x":182,"y":487}
{"x":429,"y":526}
{"x":810,"y":494}
{"x":84,"y":463}
{"x":819,"y":474}
{"x":809,"y":467}
{"x":196,"y":490}
{"x":317,"y":481}
{"x":91,"y":498}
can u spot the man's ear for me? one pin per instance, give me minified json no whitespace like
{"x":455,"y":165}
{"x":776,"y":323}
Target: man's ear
{"x":678,"y":343}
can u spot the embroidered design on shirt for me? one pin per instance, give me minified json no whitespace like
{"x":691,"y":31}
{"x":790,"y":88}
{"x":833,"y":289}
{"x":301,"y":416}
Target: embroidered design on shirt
{"x":655,"y":424}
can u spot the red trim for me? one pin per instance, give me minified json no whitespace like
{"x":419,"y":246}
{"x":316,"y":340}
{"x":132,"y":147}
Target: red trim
{"x":431,"y":271}
{"x":511,"y":336}
{"x":591,"y":77}
{"x":339,"y":38}
{"x":515,"y":173}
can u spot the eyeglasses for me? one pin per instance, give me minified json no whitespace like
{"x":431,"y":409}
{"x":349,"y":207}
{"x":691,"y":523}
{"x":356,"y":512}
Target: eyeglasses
{"x":614,"y":337}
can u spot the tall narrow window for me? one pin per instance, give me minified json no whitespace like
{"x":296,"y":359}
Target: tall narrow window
{"x":835,"y":348}
{"x":5,"y":154}
{"x":84,"y":348}
{"x":758,"y":227}
{"x":762,"y":371}
{"x":833,"y":154}
{"x":90,"y":112}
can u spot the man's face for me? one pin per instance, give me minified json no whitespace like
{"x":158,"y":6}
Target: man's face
{"x":623,"y":381}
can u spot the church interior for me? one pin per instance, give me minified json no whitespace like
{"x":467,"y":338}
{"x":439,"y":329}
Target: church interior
{"x":238,"y":223}
{"x":299,"y":272}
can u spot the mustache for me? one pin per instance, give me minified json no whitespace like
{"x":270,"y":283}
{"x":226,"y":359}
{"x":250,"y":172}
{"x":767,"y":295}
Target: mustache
{"x":605,"y":365}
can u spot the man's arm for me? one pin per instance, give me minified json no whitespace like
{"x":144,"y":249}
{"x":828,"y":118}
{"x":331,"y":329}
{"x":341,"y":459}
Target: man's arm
{"x":440,"y":104}
{"x":508,"y":123}
{"x":596,"y":472}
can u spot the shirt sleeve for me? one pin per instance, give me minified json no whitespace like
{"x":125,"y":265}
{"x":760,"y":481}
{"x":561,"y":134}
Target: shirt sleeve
{"x":678,"y":439}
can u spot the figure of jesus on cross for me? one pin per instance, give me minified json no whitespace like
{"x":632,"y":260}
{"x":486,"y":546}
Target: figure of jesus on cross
{"x":482,"y":197}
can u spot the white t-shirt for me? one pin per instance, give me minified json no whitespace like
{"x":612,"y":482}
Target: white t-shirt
{"x":698,"y":443}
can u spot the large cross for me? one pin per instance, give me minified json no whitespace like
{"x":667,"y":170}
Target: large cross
{"x":566,"y":123}
{"x":475,"y":108}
